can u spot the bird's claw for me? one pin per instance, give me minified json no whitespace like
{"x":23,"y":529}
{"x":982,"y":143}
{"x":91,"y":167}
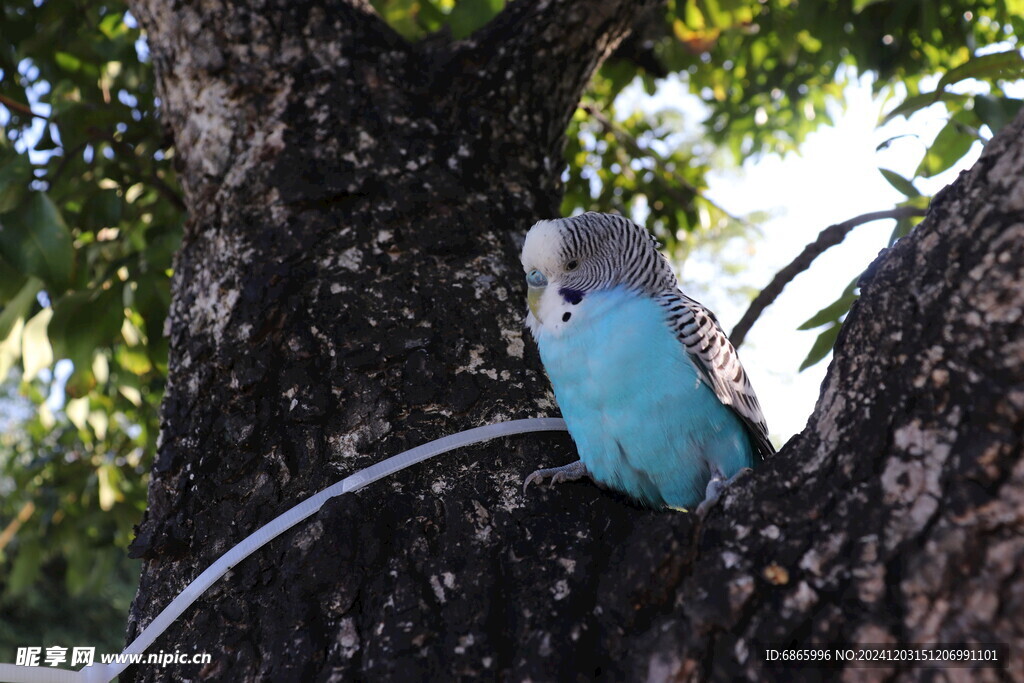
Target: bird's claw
{"x":570,"y":472}
{"x":537,"y":476}
{"x":716,"y":485}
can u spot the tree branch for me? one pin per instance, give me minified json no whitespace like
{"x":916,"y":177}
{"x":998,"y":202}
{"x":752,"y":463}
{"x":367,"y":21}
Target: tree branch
{"x":11,"y":530}
{"x":829,"y":237}
{"x":540,"y":56}
{"x":19,"y":107}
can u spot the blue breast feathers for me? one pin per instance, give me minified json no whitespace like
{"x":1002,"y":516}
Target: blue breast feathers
{"x":642,"y":420}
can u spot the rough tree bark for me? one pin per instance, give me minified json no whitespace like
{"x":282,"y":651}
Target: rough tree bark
{"x":348,"y":287}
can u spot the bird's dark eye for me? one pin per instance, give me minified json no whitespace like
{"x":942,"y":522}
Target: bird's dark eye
{"x":572,"y":265}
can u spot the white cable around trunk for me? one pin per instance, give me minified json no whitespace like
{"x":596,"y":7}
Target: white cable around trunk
{"x":99,"y":672}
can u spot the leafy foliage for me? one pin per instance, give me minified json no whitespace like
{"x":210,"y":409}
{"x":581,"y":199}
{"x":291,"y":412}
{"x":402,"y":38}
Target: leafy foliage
{"x":830,"y":318}
{"x":767,"y":74}
{"x":975,"y":112}
{"x":91,"y":214}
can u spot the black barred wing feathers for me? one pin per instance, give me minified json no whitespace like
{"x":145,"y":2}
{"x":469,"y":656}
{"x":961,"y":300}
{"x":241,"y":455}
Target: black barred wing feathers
{"x":714,"y":356}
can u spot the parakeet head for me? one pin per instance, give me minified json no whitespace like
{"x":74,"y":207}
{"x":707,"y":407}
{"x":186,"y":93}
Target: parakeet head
{"x":566,"y":259}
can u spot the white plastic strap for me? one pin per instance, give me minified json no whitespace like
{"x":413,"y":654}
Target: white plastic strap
{"x":105,"y":672}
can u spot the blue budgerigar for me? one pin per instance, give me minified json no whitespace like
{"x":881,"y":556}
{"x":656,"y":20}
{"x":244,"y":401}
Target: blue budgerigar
{"x":651,"y":389}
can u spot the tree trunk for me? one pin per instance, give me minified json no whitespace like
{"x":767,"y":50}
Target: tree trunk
{"x":348,"y":287}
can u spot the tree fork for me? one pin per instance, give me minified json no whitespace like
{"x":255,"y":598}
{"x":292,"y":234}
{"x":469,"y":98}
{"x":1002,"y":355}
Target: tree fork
{"x":348,"y":287}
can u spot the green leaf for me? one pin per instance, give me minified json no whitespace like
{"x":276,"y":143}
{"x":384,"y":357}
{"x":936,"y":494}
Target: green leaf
{"x":888,"y":141}
{"x":100,"y":368}
{"x":11,"y":281}
{"x":900,"y":183}
{"x":35,"y":240}
{"x":860,"y":5}
{"x":619,"y":73}
{"x":67,"y":61}
{"x":822,"y":345}
{"x":915,"y":103}
{"x":469,"y":15}
{"x":99,"y":420}
{"x":131,"y":393}
{"x":84,"y":321}
{"x":996,"y":112}
{"x":18,"y":307}
{"x":401,"y":16}
{"x":998,"y":65}
{"x":113,"y":25}
{"x":834,"y":311}
{"x":15,"y":175}
{"x":152,"y":298}
{"x":36,"y":352}
{"x":161,"y":245}
{"x":82,"y":123}
{"x":133,"y":360}
{"x":25,"y":570}
{"x":80,"y":383}
{"x":901,"y":230}
{"x":77,"y":410}
{"x":110,"y":481}
{"x":85,"y":571}
{"x":101,"y":210}
{"x":949,"y":146}
{"x":10,"y":349}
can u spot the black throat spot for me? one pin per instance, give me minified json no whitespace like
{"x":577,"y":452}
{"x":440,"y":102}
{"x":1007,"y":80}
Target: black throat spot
{"x":572,"y":296}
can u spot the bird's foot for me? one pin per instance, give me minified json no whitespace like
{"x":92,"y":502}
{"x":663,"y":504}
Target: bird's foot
{"x":571,"y":472}
{"x":716,"y":485}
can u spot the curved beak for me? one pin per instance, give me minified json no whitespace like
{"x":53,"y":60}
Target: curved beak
{"x":533,"y":295}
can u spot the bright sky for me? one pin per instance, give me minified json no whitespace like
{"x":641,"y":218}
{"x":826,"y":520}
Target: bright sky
{"x":834,"y":178}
